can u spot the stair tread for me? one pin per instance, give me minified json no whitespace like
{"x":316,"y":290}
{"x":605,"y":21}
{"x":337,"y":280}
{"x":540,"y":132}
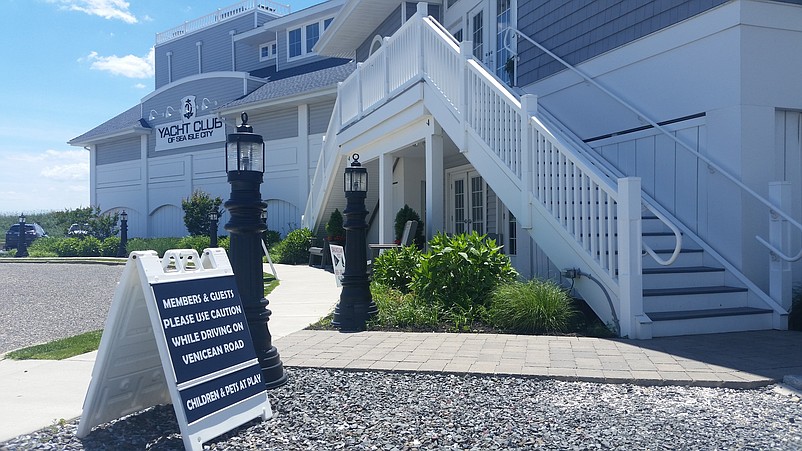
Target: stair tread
{"x":670,"y":251}
{"x":680,"y":269}
{"x":709,"y":313}
{"x":692,"y":290}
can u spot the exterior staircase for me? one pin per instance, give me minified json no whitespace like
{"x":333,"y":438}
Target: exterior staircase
{"x":582,"y":214}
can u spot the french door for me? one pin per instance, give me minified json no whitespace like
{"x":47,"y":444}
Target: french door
{"x":468,"y":202}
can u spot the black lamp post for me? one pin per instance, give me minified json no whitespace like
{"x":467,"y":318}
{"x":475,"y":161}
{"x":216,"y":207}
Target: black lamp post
{"x":245,"y":153}
{"x":22,"y":246}
{"x":356,"y":303}
{"x":214,"y":216}
{"x":121,"y":251}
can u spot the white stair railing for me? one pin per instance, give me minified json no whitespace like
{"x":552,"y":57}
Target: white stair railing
{"x":581,"y":199}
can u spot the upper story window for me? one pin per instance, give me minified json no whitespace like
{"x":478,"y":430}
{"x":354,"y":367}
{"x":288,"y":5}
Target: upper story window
{"x":267,"y":51}
{"x":301,"y":40}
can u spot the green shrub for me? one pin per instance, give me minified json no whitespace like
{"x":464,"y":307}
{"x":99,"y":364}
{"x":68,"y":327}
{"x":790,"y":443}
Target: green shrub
{"x":272,"y":238}
{"x":196,"y":211}
{"x":294,"y":248}
{"x":394,"y":267}
{"x":109,"y":246}
{"x":160,"y":245}
{"x":198,"y":242}
{"x":334,"y":227}
{"x":399,"y":310}
{"x":44,"y":247}
{"x":88,"y":247}
{"x":531,"y":307}
{"x":68,"y":247}
{"x":461,"y":270}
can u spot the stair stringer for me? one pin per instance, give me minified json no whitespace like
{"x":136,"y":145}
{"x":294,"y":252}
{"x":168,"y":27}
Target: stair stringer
{"x":551,"y":237}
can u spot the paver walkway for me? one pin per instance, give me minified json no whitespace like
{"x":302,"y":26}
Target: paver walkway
{"x":736,"y":360}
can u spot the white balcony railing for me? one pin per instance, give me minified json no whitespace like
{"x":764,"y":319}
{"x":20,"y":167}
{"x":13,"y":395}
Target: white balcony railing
{"x":220,"y":15}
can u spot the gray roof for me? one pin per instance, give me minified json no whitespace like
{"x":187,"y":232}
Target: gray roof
{"x":298,"y":84}
{"x":276,"y":89}
{"x":128,"y":120}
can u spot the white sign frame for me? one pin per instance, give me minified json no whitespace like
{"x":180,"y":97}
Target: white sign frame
{"x":133,"y":369}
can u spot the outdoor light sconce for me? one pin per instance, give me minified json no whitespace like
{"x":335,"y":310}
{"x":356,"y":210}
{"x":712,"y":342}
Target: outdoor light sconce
{"x":356,"y":177}
{"x":169,"y":111}
{"x":356,"y":304}
{"x":245,"y":150}
{"x":153,"y":114}
{"x":206,"y":104}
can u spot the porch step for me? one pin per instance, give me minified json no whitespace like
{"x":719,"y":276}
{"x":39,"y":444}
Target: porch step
{"x":710,"y":321}
{"x":686,"y":257}
{"x":664,"y":277}
{"x":686,"y":291}
{"x":708,"y":313}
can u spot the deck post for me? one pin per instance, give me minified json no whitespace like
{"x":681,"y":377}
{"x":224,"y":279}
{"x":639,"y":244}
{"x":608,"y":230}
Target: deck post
{"x":630,"y":264}
{"x":780,"y":238}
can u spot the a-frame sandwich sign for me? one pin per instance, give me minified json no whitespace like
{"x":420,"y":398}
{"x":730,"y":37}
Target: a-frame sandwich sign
{"x":176,"y":332}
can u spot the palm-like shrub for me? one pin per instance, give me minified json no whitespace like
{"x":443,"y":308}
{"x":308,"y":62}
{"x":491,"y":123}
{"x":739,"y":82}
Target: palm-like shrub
{"x":531,"y":307}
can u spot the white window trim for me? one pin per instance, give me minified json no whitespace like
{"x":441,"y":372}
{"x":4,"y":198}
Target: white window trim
{"x":304,"y":51}
{"x":271,"y":55}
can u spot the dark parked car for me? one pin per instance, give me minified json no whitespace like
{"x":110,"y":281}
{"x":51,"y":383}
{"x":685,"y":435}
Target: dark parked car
{"x":32,"y":232}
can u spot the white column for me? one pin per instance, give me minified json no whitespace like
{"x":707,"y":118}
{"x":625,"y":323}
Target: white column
{"x":780,"y":238}
{"x":630,"y":264}
{"x":528,"y":109}
{"x":145,"y":184}
{"x":304,"y":179}
{"x":386,"y":208}
{"x":434,"y":182}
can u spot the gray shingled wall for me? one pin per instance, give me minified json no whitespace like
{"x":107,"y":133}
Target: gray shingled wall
{"x":577,"y":30}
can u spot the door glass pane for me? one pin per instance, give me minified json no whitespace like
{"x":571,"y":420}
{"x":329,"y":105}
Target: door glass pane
{"x":459,"y":206}
{"x":478,"y":205}
{"x":513,"y":235}
{"x":502,"y":22}
{"x":312,"y":35}
{"x":478,"y":36}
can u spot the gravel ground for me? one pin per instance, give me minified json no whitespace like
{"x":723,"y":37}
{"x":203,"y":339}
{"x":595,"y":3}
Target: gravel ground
{"x":334,"y":409}
{"x":41,"y":302}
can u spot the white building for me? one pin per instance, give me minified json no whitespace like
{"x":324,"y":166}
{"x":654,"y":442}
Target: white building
{"x":660,"y":126}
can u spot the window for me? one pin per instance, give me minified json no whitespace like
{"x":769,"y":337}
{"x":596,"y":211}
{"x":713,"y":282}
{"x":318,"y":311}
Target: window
{"x":267,"y":51}
{"x":312,"y":35}
{"x":301,"y":40}
{"x":294,"y":42}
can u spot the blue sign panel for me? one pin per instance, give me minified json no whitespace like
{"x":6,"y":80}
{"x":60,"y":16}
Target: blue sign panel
{"x":204,"y":325}
{"x":203,"y":399}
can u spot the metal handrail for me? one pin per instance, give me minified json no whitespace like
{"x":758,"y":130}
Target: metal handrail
{"x":710,"y":163}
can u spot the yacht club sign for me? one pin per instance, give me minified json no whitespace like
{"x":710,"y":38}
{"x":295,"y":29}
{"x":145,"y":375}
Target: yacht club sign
{"x":190,"y":130}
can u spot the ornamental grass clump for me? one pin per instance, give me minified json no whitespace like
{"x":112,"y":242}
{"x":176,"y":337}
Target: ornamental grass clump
{"x":398,"y":310}
{"x":532,"y":307}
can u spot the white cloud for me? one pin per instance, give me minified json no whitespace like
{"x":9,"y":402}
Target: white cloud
{"x":107,"y":9}
{"x":52,"y":180}
{"x":140,"y":86}
{"x":130,"y":66}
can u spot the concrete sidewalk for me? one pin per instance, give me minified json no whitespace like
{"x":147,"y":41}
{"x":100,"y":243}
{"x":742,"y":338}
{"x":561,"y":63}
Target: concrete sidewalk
{"x":35,"y":394}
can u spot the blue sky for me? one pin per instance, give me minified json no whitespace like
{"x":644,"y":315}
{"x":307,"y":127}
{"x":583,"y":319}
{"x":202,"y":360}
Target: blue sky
{"x":68,"y":66}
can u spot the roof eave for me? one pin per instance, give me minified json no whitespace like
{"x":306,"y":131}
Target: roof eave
{"x":135,"y":130}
